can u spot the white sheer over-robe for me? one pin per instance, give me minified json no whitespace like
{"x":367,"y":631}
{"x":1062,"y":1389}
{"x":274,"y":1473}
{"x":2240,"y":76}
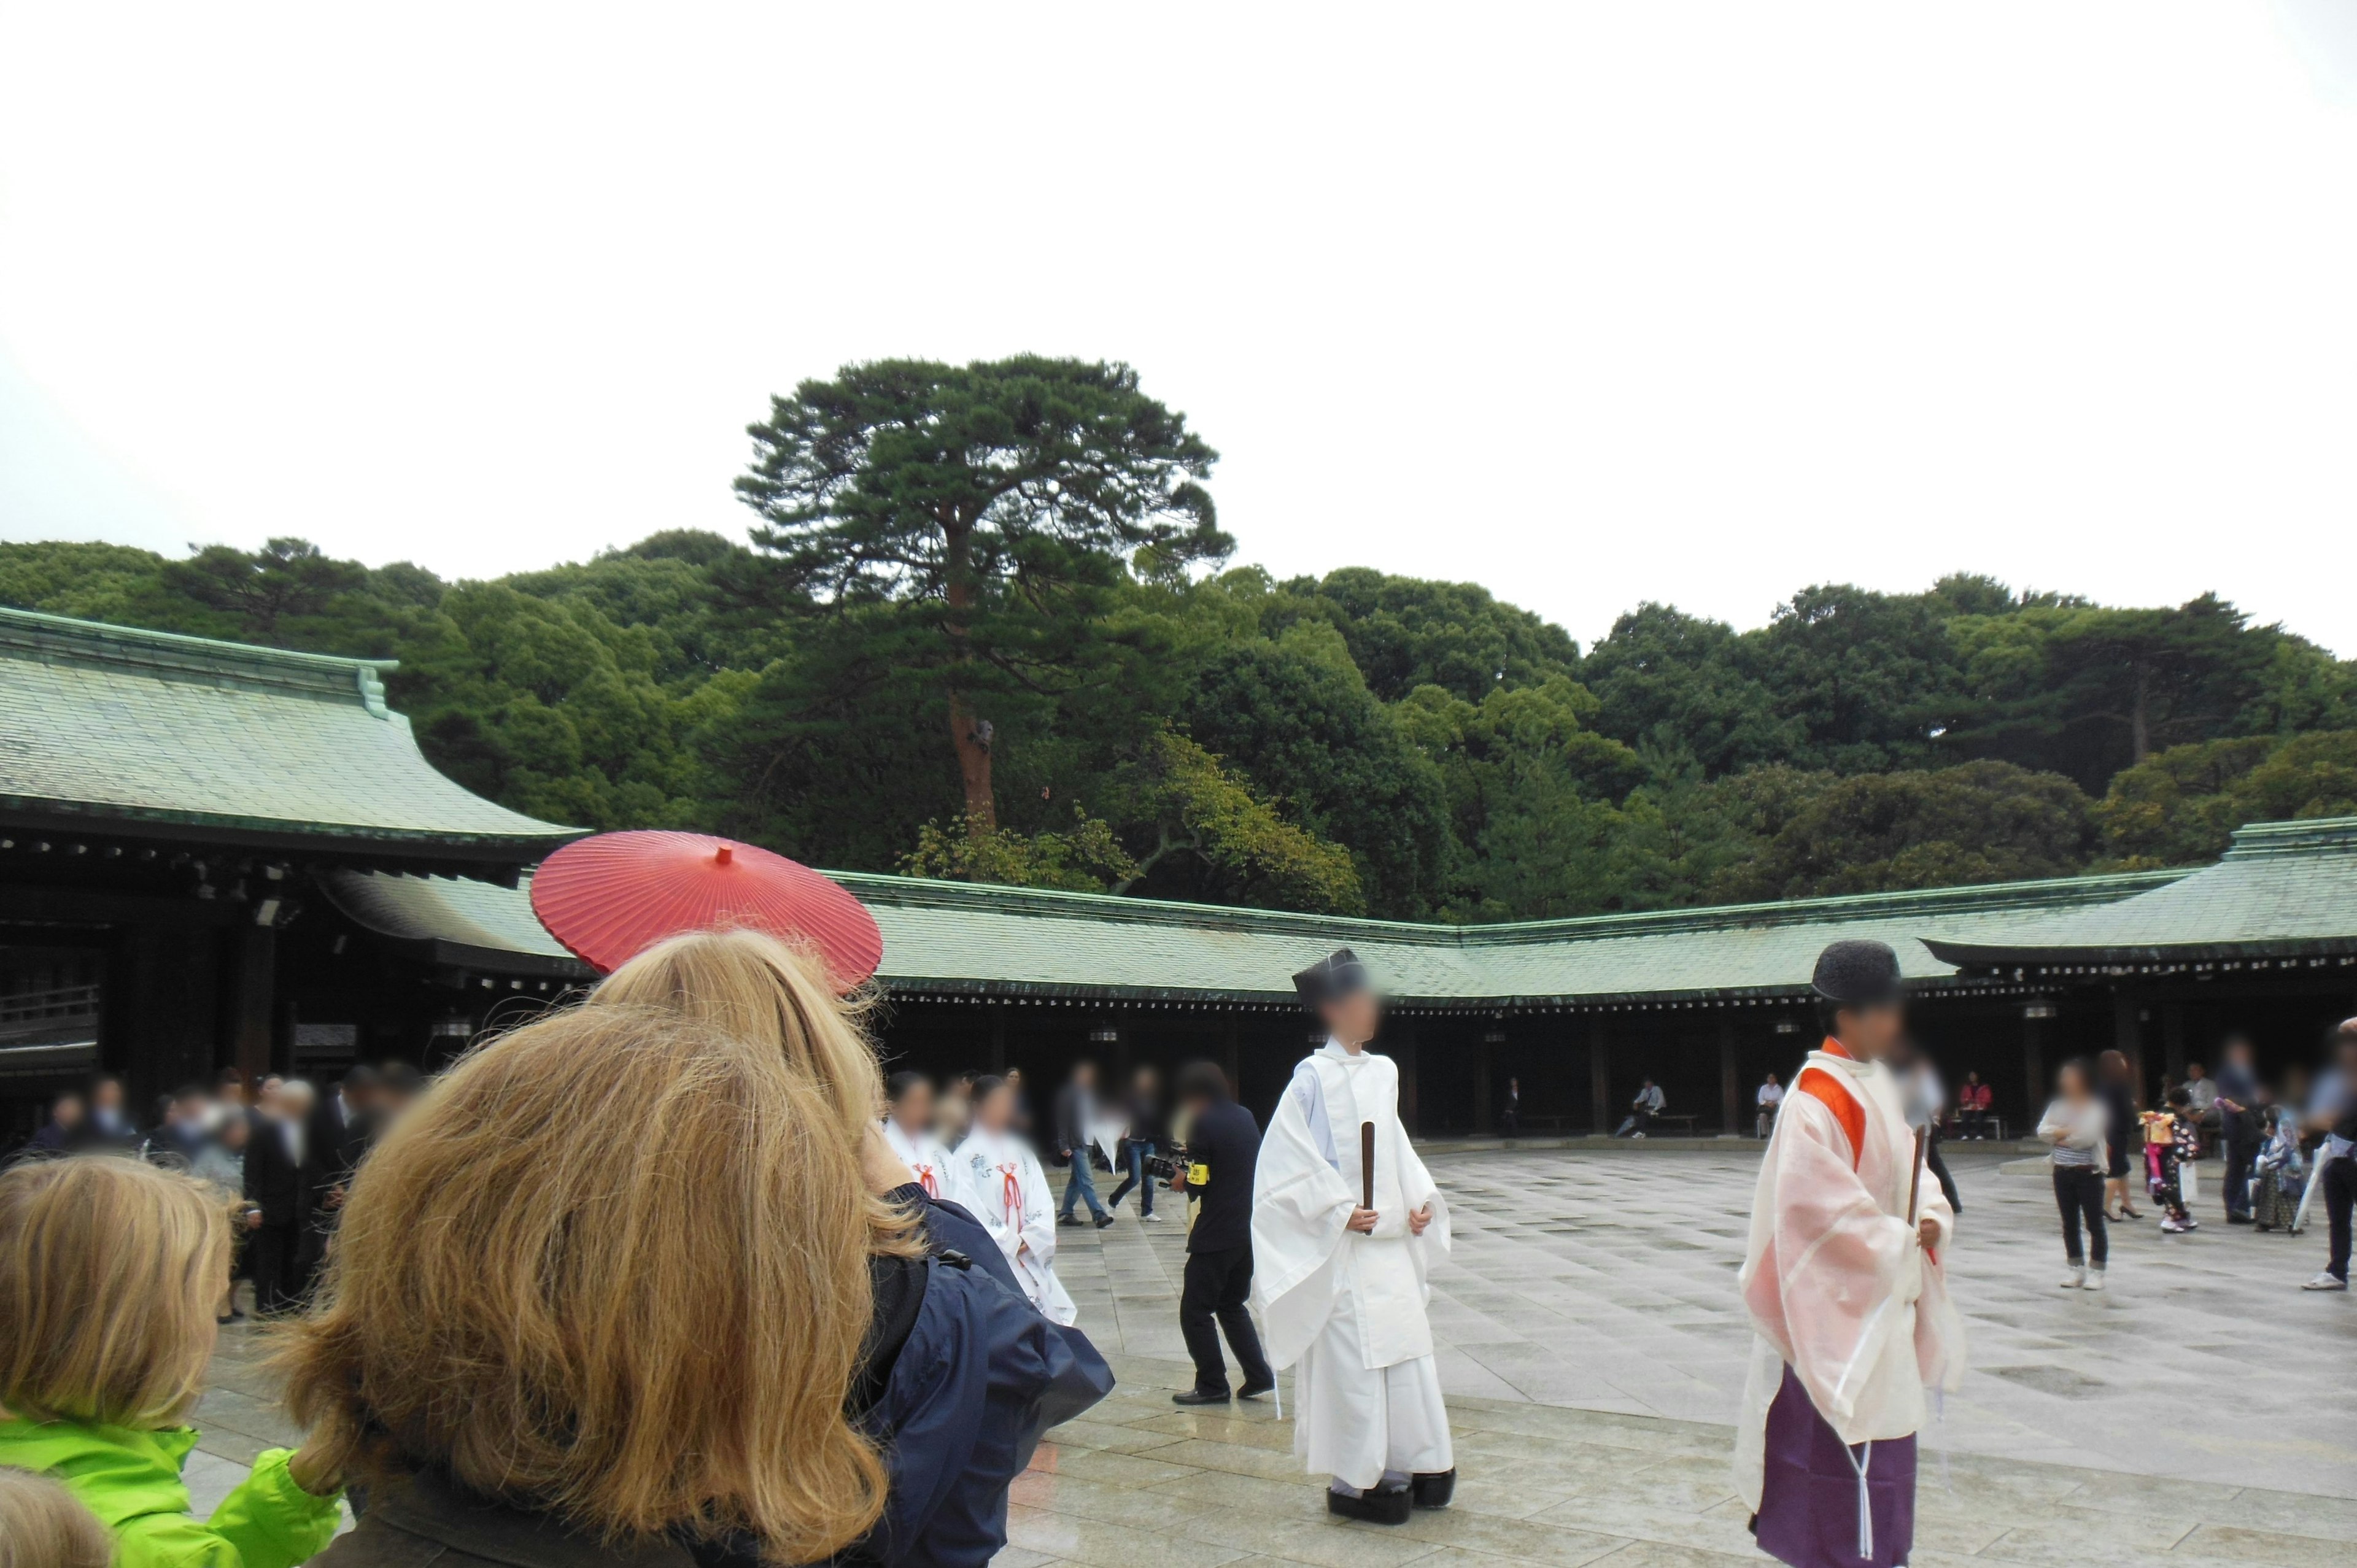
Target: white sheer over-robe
{"x":1000,"y":1183}
{"x":925,"y":1158}
{"x":1835,"y":1280}
{"x":1348,"y":1310}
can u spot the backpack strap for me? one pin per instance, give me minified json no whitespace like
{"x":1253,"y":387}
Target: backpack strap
{"x":1836,"y":1097}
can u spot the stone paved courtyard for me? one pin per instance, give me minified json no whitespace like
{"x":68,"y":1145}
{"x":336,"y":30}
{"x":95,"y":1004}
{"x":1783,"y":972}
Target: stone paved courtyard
{"x":2200,"y":1413}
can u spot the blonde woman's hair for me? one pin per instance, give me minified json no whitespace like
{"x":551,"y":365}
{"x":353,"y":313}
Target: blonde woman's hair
{"x":612,"y":1266}
{"x":753,"y":984}
{"x":41,"y":1525}
{"x":109,"y":1269}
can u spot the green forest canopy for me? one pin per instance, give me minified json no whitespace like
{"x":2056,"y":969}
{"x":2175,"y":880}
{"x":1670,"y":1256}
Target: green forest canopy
{"x":1355,"y":742}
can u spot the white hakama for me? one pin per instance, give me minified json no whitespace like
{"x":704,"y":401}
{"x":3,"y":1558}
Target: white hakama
{"x":999,"y":1181}
{"x":1347,"y":1310}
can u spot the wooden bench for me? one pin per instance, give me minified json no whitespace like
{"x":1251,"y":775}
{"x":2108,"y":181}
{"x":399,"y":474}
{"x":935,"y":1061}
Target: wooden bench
{"x":1684,"y":1119}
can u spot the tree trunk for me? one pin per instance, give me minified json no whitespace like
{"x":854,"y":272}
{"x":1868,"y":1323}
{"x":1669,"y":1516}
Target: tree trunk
{"x":973,"y":765}
{"x":973,"y":751}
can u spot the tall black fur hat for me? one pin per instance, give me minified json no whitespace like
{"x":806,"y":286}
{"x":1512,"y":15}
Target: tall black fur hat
{"x":1857,"y":974}
{"x":1338,"y":974}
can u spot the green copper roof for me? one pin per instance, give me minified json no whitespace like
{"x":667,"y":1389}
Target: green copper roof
{"x":1017,"y":942}
{"x":115,"y":727}
{"x":2283,"y":890}
{"x":469,"y":924}
{"x":955,"y":937}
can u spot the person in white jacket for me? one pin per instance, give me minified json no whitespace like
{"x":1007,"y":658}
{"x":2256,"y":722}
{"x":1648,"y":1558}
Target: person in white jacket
{"x":1001,"y":1184}
{"x":2074,"y":1125}
{"x":909,"y":1129}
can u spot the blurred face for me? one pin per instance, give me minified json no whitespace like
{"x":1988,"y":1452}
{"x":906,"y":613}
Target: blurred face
{"x":67,"y":1111}
{"x":2195,"y":1073}
{"x":234,"y":1133}
{"x":1085,"y":1075}
{"x":2239,"y":1053}
{"x":1145,"y":1083}
{"x":995,"y":1110}
{"x":1873,"y":1032}
{"x":2074,"y":1083}
{"x":107,"y":1097}
{"x":914,"y":1109}
{"x":1352,"y":1019}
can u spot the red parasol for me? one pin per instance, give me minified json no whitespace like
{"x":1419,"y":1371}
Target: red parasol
{"x":610,"y":897}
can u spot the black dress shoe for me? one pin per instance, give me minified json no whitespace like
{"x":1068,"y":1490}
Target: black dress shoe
{"x":1104,"y":1220}
{"x":1433,"y":1491}
{"x":1200,"y":1396}
{"x":1253,"y":1390}
{"x":1377,"y":1507}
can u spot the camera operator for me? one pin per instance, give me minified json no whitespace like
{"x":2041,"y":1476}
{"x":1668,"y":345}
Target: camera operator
{"x":1221,"y":1151}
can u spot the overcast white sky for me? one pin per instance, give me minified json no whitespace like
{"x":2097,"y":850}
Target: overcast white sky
{"x":1590,"y":304}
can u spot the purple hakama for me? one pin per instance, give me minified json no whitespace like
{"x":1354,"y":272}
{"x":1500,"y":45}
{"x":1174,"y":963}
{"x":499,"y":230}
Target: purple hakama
{"x":1823,"y":1504}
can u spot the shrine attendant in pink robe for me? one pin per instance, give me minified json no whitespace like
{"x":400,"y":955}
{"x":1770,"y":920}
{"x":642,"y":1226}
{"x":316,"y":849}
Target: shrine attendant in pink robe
{"x":1846,"y":1292}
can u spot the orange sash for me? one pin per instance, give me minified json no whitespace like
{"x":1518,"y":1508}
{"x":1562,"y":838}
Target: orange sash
{"x":1836,"y":1098}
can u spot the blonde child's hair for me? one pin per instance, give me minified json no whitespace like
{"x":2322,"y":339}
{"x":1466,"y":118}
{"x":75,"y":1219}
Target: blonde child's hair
{"x":109,"y":1269}
{"x":612,"y":1267}
{"x":41,"y":1525}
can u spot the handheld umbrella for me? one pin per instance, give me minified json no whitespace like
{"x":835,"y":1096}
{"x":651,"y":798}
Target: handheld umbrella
{"x":610,"y":897}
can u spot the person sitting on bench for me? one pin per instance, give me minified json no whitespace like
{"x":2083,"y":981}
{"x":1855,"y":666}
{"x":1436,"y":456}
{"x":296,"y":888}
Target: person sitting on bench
{"x":1642,"y":1112}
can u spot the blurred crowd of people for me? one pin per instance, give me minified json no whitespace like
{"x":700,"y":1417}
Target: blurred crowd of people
{"x":2284,"y":1148}
{"x":663,"y":1279}
{"x":280,"y":1155}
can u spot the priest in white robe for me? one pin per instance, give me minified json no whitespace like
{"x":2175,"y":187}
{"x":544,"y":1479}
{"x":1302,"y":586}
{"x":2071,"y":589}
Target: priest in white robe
{"x":1000,"y":1183}
{"x":909,"y":1129}
{"x":1845,"y":1283}
{"x":1339,"y":1282}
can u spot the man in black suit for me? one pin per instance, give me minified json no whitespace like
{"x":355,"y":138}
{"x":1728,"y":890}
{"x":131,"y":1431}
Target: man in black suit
{"x":333,"y":1141}
{"x":1223,"y":1150}
{"x":274,"y":1184}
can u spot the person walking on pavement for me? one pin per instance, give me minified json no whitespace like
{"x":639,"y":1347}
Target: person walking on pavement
{"x":1076,"y":1121}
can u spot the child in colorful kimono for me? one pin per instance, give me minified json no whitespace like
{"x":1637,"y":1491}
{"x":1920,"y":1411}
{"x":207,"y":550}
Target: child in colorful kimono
{"x":2172,"y":1141}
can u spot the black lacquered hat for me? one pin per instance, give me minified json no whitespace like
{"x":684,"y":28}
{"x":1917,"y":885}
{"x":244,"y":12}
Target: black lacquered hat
{"x":1338,"y":974}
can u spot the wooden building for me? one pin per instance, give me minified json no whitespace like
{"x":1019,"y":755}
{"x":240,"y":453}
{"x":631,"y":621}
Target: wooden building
{"x":176,"y":817}
{"x":211,"y":853}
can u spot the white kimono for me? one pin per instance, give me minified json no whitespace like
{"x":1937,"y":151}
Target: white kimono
{"x":925,"y":1158}
{"x":1835,"y":1282}
{"x":1348,"y":1309}
{"x":1000,"y":1183}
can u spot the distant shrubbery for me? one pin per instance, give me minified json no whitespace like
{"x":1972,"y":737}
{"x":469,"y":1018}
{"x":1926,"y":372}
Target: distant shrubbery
{"x":1100,"y":706}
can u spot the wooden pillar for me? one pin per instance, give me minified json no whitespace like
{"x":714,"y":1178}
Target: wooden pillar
{"x":1229,"y":1062}
{"x":2033,"y":1060}
{"x":1403,"y":1053}
{"x":1483,"y":1120}
{"x":2172,"y":1040}
{"x":1599,"y":1075}
{"x":2127,"y":1037}
{"x":252,"y":999}
{"x":1730,"y":1087}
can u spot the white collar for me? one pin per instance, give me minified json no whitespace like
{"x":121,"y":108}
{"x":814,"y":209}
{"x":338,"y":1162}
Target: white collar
{"x":1335,"y":1051}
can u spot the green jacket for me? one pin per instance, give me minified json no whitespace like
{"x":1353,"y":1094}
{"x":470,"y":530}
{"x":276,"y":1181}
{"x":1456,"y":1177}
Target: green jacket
{"x":131,"y":1480}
